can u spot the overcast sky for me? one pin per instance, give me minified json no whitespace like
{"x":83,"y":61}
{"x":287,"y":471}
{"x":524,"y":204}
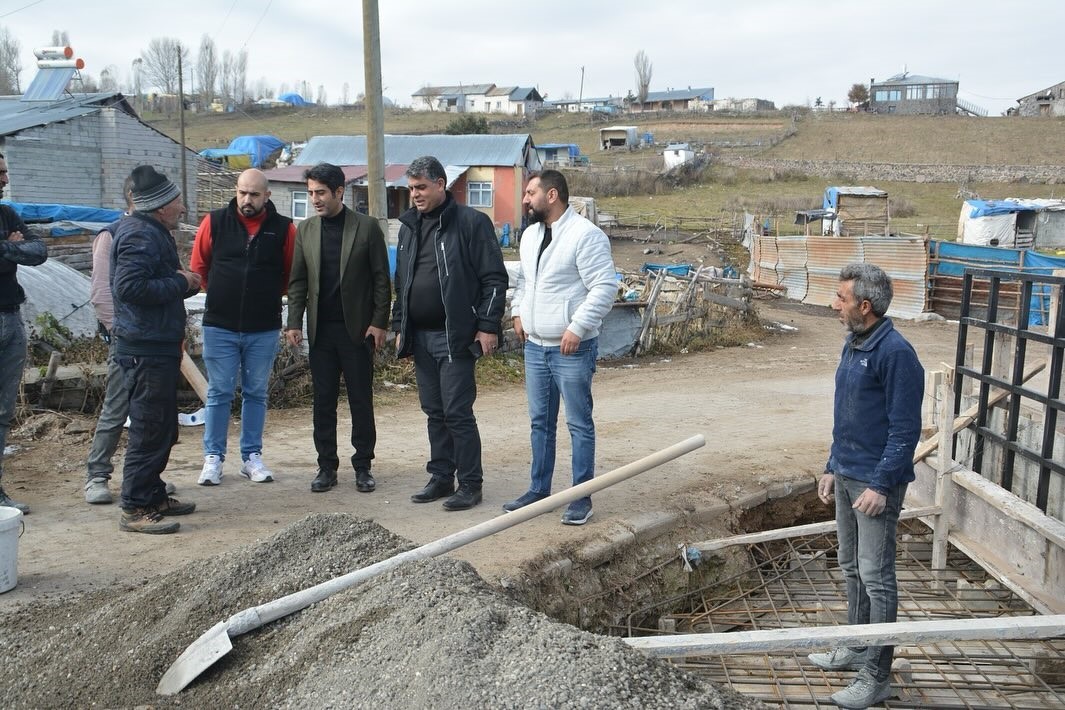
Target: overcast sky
{"x":787,"y":51}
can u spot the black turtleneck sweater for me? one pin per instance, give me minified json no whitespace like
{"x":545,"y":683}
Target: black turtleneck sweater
{"x":330,"y":308}
{"x":426,"y":302}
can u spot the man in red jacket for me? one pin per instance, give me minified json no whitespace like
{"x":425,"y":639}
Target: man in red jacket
{"x":243,"y":252}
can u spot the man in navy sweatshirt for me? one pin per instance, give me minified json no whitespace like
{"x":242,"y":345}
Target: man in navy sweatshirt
{"x":876,"y":426}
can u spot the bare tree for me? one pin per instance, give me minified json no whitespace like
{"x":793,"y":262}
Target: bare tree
{"x":161,"y":63}
{"x":60,"y":38}
{"x":226,"y":75}
{"x":305,"y":90}
{"x":321,"y":98}
{"x":207,"y":69}
{"x":345,"y":94}
{"x":240,"y":76}
{"x":10,"y":63}
{"x":643,"y":75}
{"x":283,"y":89}
{"x":429,"y":96}
{"x":109,"y":78}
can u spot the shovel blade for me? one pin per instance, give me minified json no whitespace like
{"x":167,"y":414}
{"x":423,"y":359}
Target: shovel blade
{"x":198,"y":657}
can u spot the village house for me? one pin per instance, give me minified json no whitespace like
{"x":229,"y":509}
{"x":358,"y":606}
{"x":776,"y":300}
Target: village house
{"x":483,"y":98}
{"x":78,"y":149}
{"x":1048,"y":102}
{"x":911,"y":94}
{"x":486,"y":172}
{"x":599,"y":104}
{"x":676,"y":100}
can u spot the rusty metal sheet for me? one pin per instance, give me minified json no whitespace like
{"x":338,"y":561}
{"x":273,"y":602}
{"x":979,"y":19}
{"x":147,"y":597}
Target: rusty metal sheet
{"x":826,"y":257}
{"x":764,"y":259}
{"x":793,"y":258}
{"x":905,"y":259}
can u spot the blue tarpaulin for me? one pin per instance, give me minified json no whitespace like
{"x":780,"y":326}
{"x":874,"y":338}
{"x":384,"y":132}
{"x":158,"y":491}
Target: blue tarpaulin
{"x":986,"y":208}
{"x":258,"y":147}
{"x":37,"y":212}
{"x":294,"y":99}
{"x":954,"y":258}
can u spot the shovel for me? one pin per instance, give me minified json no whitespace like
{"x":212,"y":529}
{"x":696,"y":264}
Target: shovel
{"x":215,"y":642}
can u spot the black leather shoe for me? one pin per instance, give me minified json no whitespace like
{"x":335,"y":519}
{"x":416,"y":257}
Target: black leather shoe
{"x":435,"y":489}
{"x":364,"y":482}
{"x":325,"y":480}
{"x":464,"y":499}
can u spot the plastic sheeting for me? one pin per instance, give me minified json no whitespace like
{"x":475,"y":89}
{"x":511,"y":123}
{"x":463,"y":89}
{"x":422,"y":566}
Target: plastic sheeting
{"x":61,"y":290}
{"x":294,"y":99}
{"x":42,"y":212}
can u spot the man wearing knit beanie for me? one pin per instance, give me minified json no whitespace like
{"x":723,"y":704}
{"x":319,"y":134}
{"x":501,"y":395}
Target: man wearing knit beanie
{"x":149,"y":288}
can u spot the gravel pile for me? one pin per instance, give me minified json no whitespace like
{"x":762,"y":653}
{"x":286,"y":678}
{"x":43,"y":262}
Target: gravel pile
{"x":430,"y":634}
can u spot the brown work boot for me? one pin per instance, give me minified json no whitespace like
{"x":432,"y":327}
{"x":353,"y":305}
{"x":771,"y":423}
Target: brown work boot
{"x":146,"y":520}
{"x":172,"y":506}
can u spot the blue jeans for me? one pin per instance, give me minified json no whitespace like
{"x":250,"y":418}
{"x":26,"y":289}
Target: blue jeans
{"x":152,"y":383}
{"x":447,"y":389}
{"x":867,"y":558}
{"x":112,"y":418}
{"x":12,"y":360}
{"x":548,"y":375}
{"x":227,"y":354}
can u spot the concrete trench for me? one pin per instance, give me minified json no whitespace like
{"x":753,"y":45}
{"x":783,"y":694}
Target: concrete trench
{"x":624,"y":577}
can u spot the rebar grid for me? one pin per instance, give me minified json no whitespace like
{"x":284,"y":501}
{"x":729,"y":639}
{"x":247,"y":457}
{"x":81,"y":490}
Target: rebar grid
{"x":797,"y":582}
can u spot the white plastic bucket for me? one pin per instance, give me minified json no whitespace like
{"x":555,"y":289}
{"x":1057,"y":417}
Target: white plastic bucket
{"x":10,"y":529}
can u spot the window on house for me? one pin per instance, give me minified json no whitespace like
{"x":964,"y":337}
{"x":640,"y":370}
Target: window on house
{"x":888,"y":95}
{"x":914,"y":93}
{"x":299,"y":205}
{"x":499,"y":105}
{"x":935,"y":91}
{"x":479,"y":194}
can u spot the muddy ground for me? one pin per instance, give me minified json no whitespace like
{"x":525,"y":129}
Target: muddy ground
{"x":765,"y":410}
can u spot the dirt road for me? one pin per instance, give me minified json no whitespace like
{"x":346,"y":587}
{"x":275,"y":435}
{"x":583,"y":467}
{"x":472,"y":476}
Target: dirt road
{"x":765,"y":410}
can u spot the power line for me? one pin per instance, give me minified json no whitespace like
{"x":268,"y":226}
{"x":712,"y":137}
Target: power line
{"x":223,"y":25}
{"x":265,"y":10}
{"x":8,"y":14}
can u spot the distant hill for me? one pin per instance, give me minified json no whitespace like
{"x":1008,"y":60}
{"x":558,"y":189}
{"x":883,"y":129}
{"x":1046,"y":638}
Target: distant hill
{"x":952,"y":140}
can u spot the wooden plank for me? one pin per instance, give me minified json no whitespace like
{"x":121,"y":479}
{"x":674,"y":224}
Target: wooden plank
{"x":728,"y":302}
{"x":969,"y":415}
{"x":1012,"y":507}
{"x":796,"y":531}
{"x":895,"y":634}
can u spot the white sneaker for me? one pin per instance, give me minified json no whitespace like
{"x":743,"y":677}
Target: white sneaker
{"x":255,"y":470}
{"x":211,"y":475}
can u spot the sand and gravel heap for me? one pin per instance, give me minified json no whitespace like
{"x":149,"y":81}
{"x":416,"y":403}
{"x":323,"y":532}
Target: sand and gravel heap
{"x":431,"y":634}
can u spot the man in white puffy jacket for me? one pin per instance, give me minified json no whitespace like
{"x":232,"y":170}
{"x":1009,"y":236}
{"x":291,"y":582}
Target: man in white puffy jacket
{"x":565,"y":287}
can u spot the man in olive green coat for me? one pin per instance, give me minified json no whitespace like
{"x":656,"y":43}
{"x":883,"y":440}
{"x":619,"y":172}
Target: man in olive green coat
{"x":340,"y":279}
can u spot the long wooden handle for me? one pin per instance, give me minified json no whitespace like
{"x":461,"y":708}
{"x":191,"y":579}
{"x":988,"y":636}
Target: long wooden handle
{"x":194,"y":376}
{"x":253,"y":618}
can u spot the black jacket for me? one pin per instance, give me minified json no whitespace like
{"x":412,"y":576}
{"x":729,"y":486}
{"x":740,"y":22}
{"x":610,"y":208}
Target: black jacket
{"x":244,"y":284}
{"x":473,"y":279}
{"x":30,"y":252}
{"x":149,"y":293}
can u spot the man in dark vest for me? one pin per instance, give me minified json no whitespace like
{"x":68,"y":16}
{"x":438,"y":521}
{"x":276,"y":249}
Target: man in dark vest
{"x":243,"y":253}
{"x":340,"y":280}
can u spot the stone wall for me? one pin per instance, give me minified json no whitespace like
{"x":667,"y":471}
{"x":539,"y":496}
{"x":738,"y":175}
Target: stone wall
{"x":898,"y":172}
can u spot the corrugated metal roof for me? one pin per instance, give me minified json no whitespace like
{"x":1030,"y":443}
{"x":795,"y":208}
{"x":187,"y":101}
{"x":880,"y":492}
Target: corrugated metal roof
{"x":906,"y":79}
{"x":678,"y":94}
{"x":487,"y":150}
{"x":294,"y":173}
{"x":459,"y":90}
{"x":16,"y":115}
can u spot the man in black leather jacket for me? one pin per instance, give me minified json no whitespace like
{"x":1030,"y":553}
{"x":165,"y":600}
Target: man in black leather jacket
{"x":451,"y":288}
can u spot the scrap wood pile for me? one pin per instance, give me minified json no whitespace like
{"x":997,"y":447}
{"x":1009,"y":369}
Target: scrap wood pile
{"x":427,"y":634}
{"x":682,"y":304}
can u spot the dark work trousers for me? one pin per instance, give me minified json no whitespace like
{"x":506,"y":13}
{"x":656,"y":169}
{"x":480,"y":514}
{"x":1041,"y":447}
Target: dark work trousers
{"x":333,"y":353}
{"x":152,"y":382}
{"x":447,"y":388}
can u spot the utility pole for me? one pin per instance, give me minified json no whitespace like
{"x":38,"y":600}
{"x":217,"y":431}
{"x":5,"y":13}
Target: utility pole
{"x":375,"y":115}
{"x":181,"y":125}
{"x":580,"y":92}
